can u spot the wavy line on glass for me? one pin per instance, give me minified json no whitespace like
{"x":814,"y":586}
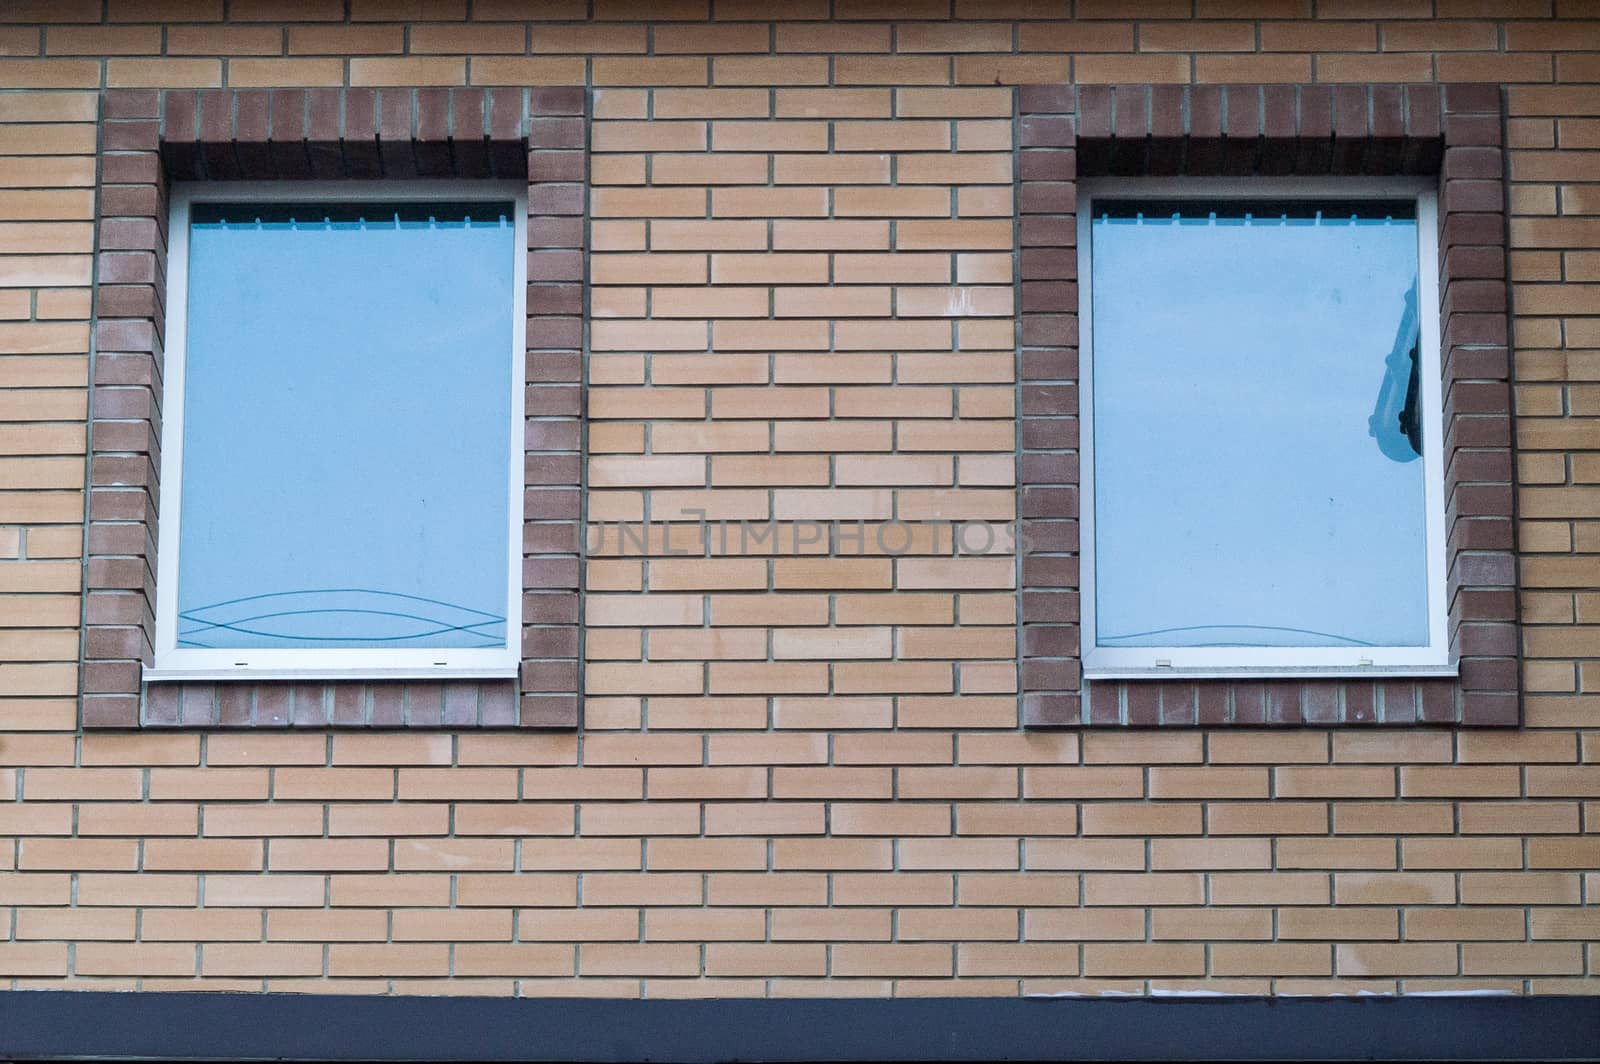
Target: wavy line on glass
{"x":236,"y":616}
{"x":345,"y":591}
{"x":1106,"y":639}
{"x":236,"y":626}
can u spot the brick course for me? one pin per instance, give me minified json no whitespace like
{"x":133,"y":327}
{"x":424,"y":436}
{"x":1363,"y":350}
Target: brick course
{"x":785,"y":810}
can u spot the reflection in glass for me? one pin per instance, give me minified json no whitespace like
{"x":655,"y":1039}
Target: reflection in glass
{"x":346,"y":434}
{"x":1255,"y":404}
{"x":1396,"y":421}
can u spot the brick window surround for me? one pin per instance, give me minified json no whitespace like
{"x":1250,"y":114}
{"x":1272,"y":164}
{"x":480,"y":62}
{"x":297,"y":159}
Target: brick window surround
{"x":1272,"y":130}
{"x":149,"y":137}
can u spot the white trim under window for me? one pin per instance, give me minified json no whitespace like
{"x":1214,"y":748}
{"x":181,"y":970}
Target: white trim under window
{"x":1432,"y":658}
{"x":174,"y":662}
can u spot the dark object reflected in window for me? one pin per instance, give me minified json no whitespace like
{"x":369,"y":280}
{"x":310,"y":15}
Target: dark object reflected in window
{"x":1396,"y":422}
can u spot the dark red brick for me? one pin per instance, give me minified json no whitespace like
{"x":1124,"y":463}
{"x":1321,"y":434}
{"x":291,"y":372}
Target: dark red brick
{"x":1105,"y":702}
{"x":1471,"y":99}
{"x":1178,"y":706}
{"x":431,"y":150}
{"x":1316,"y":130}
{"x":1360,"y":702}
{"x":1041,"y":710}
{"x":1242,"y":129}
{"x":359,"y":134}
{"x":395,"y":133}
{"x":549,"y":711}
{"x":1045,"y":99}
{"x":1039,"y":131}
{"x":131,"y":103}
{"x":424,"y":704}
{"x":557,"y":100}
{"x":1203,"y":155}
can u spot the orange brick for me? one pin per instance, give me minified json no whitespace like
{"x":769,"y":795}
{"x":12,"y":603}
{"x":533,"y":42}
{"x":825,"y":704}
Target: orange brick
{"x":260,"y":958}
{"x":142,"y":958}
{"x":806,"y":70}
{"x":1229,"y":958}
{"x":703,"y":925}
{"x":1175,"y":854}
{"x":708,"y":783}
{"x":1334,"y":782}
{"x":1384,"y":818}
{"x":341,"y":855}
{"x":1431,"y":782}
{"x":388,"y":959}
{"x":831,"y":925}
{"x":338,"y":40}
{"x":269,"y":749}
{"x":1396,"y":959}
{"x":1336,"y":853}
{"x":666,"y":854}
{"x":488,"y":819}
{"x":1204,"y":924}
{"x":637,"y":959}
{"x":130,"y":889}
{"x":1395,"y":888}
{"x":1207,"y":783}
{"x":1343,"y":923}
{"x":1141,"y":889}
{"x":1388,"y":747}
{"x":229,"y":855}
{"x":73,"y":854}
{"x":220,"y":925}
{"x":1119,"y":818}
{"x":1274,"y":888}
{"x":958,"y":853}
{"x":262,"y":820}
{"x":69,"y":924}
{"x":789,"y":818}
{"x":34,"y":958}
{"x":1062,"y":782}
{"x":300,"y":783}
{"x":174,"y":73}
{"x":1084,"y":925}
{"x":518,"y":959}
{"x":1387,"y":68}
{"x":1460,"y":853}
{"x":1519,"y":888}
{"x":1097,"y":854}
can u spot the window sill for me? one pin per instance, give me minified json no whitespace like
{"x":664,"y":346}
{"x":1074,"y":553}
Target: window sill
{"x":1274,"y":672}
{"x":244,"y":674}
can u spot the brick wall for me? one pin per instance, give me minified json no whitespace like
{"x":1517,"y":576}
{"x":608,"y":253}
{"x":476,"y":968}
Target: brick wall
{"x":798,"y":775}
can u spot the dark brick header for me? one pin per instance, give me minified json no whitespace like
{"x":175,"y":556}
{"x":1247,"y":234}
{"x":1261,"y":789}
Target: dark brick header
{"x":149,"y":137}
{"x":1068,"y":132}
{"x":297,"y":134}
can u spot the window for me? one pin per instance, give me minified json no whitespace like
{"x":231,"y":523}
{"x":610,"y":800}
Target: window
{"x":342,"y":472}
{"x":1262,"y":474}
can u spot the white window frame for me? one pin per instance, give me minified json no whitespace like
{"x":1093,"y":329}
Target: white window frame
{"x":1434,"y":659}
{"x":173,"y":662}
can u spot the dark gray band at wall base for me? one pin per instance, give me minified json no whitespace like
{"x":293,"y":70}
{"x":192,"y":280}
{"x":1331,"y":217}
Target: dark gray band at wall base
{"x":44,"y":1025}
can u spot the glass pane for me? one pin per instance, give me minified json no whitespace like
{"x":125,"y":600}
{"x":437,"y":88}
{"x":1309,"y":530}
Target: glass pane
{"x":1257,"y":439}
{"x":346,"y":434}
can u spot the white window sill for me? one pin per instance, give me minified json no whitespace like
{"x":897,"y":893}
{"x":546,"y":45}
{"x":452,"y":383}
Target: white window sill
{"x":376,"y":675}
{"x":1275,"y":672}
